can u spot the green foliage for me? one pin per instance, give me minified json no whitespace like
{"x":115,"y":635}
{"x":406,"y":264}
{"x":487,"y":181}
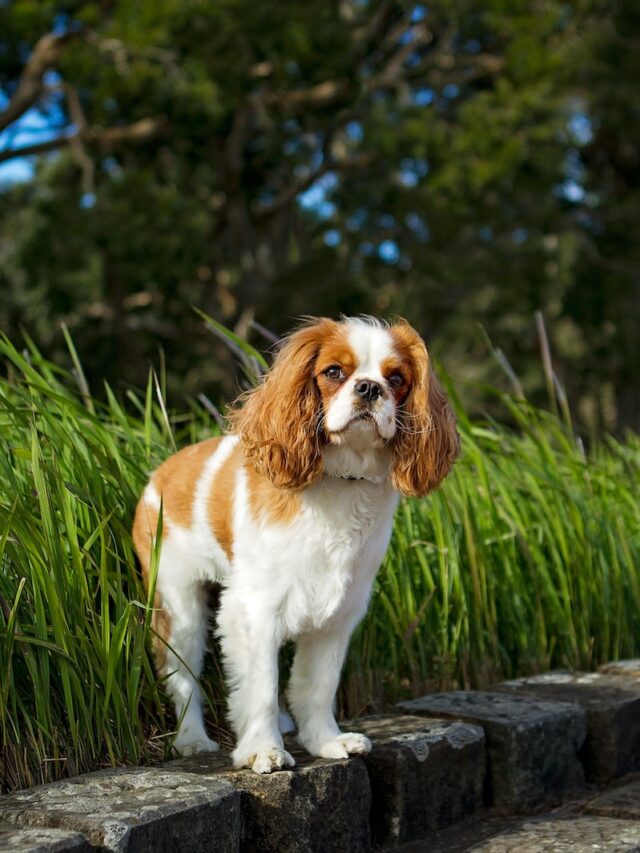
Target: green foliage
{"x":76,"y":683}
{"x":439,"y":142}
{"x":527,"y":558}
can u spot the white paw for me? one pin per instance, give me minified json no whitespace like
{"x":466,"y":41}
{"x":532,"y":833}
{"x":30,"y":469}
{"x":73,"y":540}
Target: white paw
{"x":263,"y":760}
{"x":190,"y":745}
{"x":344,"y":745}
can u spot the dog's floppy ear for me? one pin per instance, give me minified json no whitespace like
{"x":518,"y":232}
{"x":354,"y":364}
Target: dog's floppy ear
{"x":279,"y":421}
{"x":426,"y":443}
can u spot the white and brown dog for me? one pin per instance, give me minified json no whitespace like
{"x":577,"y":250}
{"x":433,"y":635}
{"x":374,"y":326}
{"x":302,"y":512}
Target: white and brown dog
{"x":292,"y":514}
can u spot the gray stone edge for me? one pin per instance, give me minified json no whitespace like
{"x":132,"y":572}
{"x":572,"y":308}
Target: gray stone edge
{"x":78,"y":839}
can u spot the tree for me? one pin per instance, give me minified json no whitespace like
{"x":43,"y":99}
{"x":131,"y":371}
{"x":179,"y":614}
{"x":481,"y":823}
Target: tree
{"x":603,"y":297}
{"x":272,"y":160}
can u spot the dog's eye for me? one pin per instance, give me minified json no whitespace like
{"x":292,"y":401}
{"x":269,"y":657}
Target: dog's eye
{"x":334,"y":372}
{"x":396,"y":380}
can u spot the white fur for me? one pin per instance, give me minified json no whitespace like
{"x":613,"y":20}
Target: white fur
{"x":371,"y":345}
{"x":309,"y":581}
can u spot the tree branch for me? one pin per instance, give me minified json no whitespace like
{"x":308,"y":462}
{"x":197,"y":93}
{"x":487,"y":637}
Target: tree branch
{"x":443,"y":68}
{"x":324,"y":94}
{"x":36,"y":148}
{"x":44,"y":56}
{"x":103,"y":140}
{"x":393,"y":69}
{"x":349,"y":164}
{"x":369,"y":36}
{"x":78,"y":149}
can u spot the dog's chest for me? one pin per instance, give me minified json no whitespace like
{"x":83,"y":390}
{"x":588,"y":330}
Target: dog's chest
{"x":341,"y":537}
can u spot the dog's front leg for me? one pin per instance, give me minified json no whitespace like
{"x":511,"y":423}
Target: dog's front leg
{"x":314,"y":680}
{"x":250,"y":648}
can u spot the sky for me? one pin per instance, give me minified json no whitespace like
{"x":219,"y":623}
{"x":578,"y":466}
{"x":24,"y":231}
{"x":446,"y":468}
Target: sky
{"x":36,"y":125}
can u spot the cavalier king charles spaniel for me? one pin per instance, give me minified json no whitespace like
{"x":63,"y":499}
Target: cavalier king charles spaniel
{"x":291,"y":513}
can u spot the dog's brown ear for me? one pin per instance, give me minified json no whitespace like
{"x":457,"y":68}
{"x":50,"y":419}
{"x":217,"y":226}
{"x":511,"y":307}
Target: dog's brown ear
{"x":280,"y":419}
{"x":427,"y":442}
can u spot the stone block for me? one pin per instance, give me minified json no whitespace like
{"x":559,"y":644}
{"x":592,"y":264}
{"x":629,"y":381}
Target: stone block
{"x":532,"y":746}
{"x":315,"y":807}
{"x":621,"y":802}
{"x":134,"y":811}
{"x":551,"y":833}
{"x":630,"y":668}
{"x":612,"y":705}
{"x":425,"y":774}
{"x":564,"y":834}
{"x":14,"y":839}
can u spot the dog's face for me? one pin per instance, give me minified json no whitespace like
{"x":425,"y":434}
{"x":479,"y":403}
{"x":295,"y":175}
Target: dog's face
{"x":349,"y":382}
{"x":363,"y":376}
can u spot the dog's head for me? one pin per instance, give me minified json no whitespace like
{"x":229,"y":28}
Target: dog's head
{"x":335,"y":382}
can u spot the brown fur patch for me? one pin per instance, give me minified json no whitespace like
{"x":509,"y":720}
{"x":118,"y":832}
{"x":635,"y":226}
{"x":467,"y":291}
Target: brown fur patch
{"x":268,"y":502}
{"x":426,"y":443}
{"x":161,"y":624}
{"x":334,"y":351}
{"x":175,"y":480}
{"x":405,"y":339}
{"x":220,"y":500}
{"x":278,"y":423}
{"x":398,"y":364}
{"x":145,"y":525}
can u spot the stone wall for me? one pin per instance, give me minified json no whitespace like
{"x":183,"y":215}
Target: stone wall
{"x":466,"y":762}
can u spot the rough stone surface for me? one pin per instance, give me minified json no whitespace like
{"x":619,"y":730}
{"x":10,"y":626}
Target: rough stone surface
{"x":424,"y":774}
{"x":630,"y":668}
{"x":532,"y":746}
{"x":552,"y":833}
{"x":612,"y":703}
{"x":16,"y":840}
{"x":129,"y":811}
{"x":423,"y":781}
{"x":317,"y":806}
{"x":622,"y":802}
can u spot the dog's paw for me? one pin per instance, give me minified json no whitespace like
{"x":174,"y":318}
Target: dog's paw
{"x":263,"y":760}
{"x":190,"y":745}
{"x":344,"y":745}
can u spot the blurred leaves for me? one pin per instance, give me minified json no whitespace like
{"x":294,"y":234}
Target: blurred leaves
{"x":461,"y":163}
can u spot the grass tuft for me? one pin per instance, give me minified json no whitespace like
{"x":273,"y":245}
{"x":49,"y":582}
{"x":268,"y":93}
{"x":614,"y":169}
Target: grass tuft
{"x":526,"y":559}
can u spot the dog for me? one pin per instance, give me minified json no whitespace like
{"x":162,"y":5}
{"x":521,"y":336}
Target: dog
{"x":291,"y":512}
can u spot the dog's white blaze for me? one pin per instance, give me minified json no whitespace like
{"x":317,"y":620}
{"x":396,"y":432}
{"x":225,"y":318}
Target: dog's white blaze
{"x":372,"y":346}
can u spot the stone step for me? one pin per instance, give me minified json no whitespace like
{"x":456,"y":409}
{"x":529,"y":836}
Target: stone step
{"x":131,"y":811}
{"x":532,"y":745}
{"x":422,"y":775}
{"x":621,"y":802}
{"x":317,"y":806}
{"x":630,"y":668}
{"x":14,"y":839}
{"x":609,"y":822}
{"x":612,"y":705}
{"x":432,"y":770}
{"x":551,"y":833}
{"x":425,"y":774}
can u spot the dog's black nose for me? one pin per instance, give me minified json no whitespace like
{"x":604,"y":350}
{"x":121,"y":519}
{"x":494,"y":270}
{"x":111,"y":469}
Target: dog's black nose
{"x":368,"y":390}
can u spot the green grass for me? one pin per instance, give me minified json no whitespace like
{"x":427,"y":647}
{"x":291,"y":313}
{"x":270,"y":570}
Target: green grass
{"x":527,"y":558}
